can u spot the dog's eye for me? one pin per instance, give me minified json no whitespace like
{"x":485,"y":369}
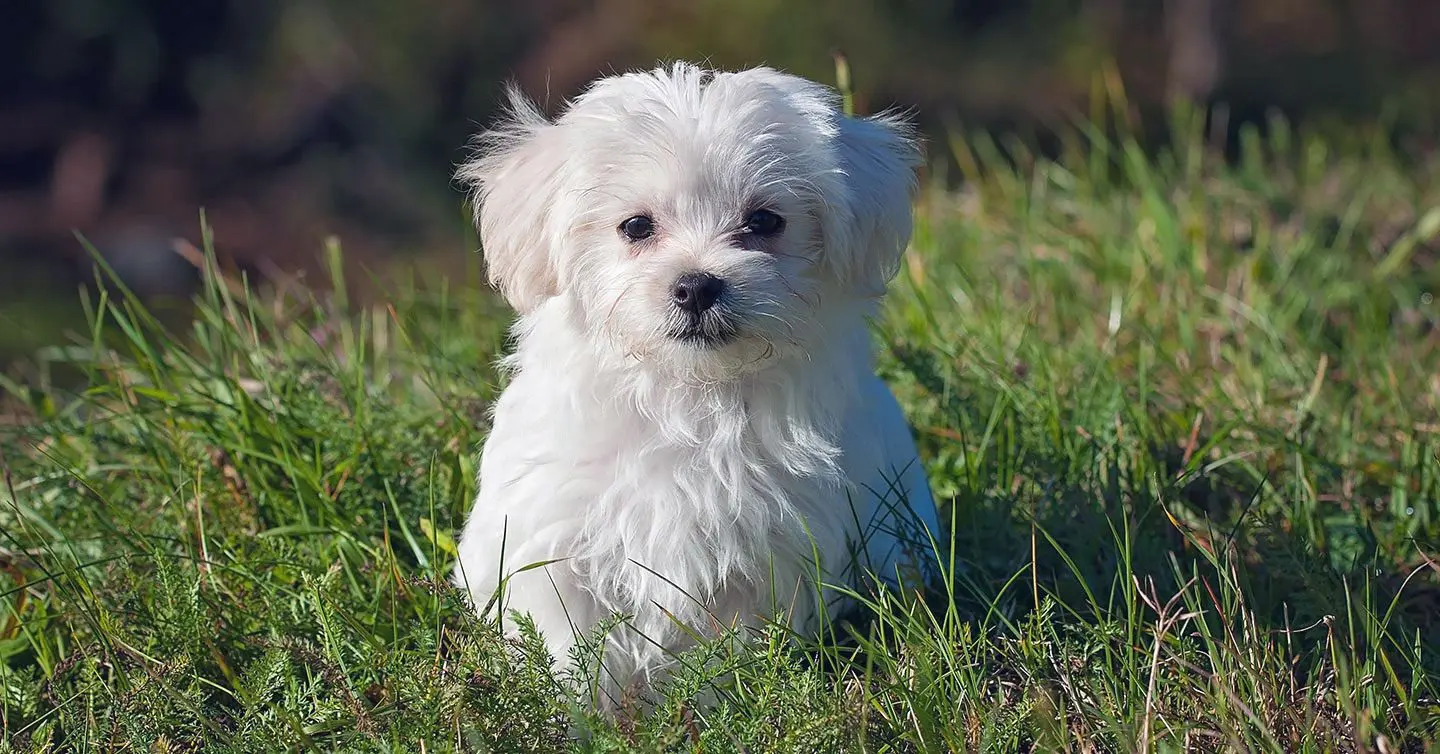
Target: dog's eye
{"x":763,"y":222}
{"x":638,"y":228}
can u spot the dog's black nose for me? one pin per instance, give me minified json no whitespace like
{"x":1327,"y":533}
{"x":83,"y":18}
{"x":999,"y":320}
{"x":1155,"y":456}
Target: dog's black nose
{"x":695,"y":292}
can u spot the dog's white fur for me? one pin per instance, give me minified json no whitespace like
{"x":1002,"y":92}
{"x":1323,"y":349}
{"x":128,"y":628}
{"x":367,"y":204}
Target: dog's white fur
{"x":690,"y":486}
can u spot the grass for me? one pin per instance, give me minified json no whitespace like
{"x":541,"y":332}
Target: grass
{"x":1182,"y":411}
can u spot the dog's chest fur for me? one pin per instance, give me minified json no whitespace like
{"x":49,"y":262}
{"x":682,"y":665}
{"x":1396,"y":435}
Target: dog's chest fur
{"x":701,"y":499}
{"x":715,"y":499}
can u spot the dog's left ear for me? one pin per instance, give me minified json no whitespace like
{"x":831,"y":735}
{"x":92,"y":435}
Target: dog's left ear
{"x":867,"y":234}
{"x":516,"y":179}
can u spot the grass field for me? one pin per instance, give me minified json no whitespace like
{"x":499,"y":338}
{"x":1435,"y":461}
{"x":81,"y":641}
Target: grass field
{"x":1183,"y":412}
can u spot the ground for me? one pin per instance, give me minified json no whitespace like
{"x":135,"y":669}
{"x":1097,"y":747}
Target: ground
{"x":1182,"y":411}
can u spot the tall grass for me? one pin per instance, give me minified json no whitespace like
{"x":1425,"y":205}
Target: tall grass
{"x":1182,"y":413}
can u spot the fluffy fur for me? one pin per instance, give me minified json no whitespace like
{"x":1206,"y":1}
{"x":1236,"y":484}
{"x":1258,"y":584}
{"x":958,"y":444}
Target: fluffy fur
{"x":691,"y":471}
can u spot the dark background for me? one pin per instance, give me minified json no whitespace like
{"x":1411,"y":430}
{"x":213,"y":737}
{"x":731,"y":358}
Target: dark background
{"x":292,"y":120}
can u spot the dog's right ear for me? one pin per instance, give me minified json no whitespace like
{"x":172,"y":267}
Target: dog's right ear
{"x":515,"y":179}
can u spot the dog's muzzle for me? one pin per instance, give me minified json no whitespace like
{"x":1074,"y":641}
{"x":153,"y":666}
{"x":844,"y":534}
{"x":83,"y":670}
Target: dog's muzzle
{"x":702,"y":317}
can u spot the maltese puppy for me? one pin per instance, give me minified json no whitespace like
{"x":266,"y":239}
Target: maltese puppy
{"x":693,"y":437}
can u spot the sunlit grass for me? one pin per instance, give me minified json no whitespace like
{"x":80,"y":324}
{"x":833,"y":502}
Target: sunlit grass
{"x":1182,"y":414}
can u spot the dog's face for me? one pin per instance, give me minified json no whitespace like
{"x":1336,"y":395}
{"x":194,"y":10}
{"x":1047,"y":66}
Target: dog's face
{"x":695,"y":220}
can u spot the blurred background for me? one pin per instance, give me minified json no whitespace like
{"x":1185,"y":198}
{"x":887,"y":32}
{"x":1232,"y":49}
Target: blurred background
{"x":289,"y":121}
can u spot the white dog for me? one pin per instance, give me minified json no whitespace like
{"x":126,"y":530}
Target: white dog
{"x":693,"y":435}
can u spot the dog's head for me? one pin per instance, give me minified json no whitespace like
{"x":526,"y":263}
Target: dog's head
{"x":696,"y":219}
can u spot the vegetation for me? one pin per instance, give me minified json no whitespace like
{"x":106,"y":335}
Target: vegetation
{"x":1183,"y":412}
